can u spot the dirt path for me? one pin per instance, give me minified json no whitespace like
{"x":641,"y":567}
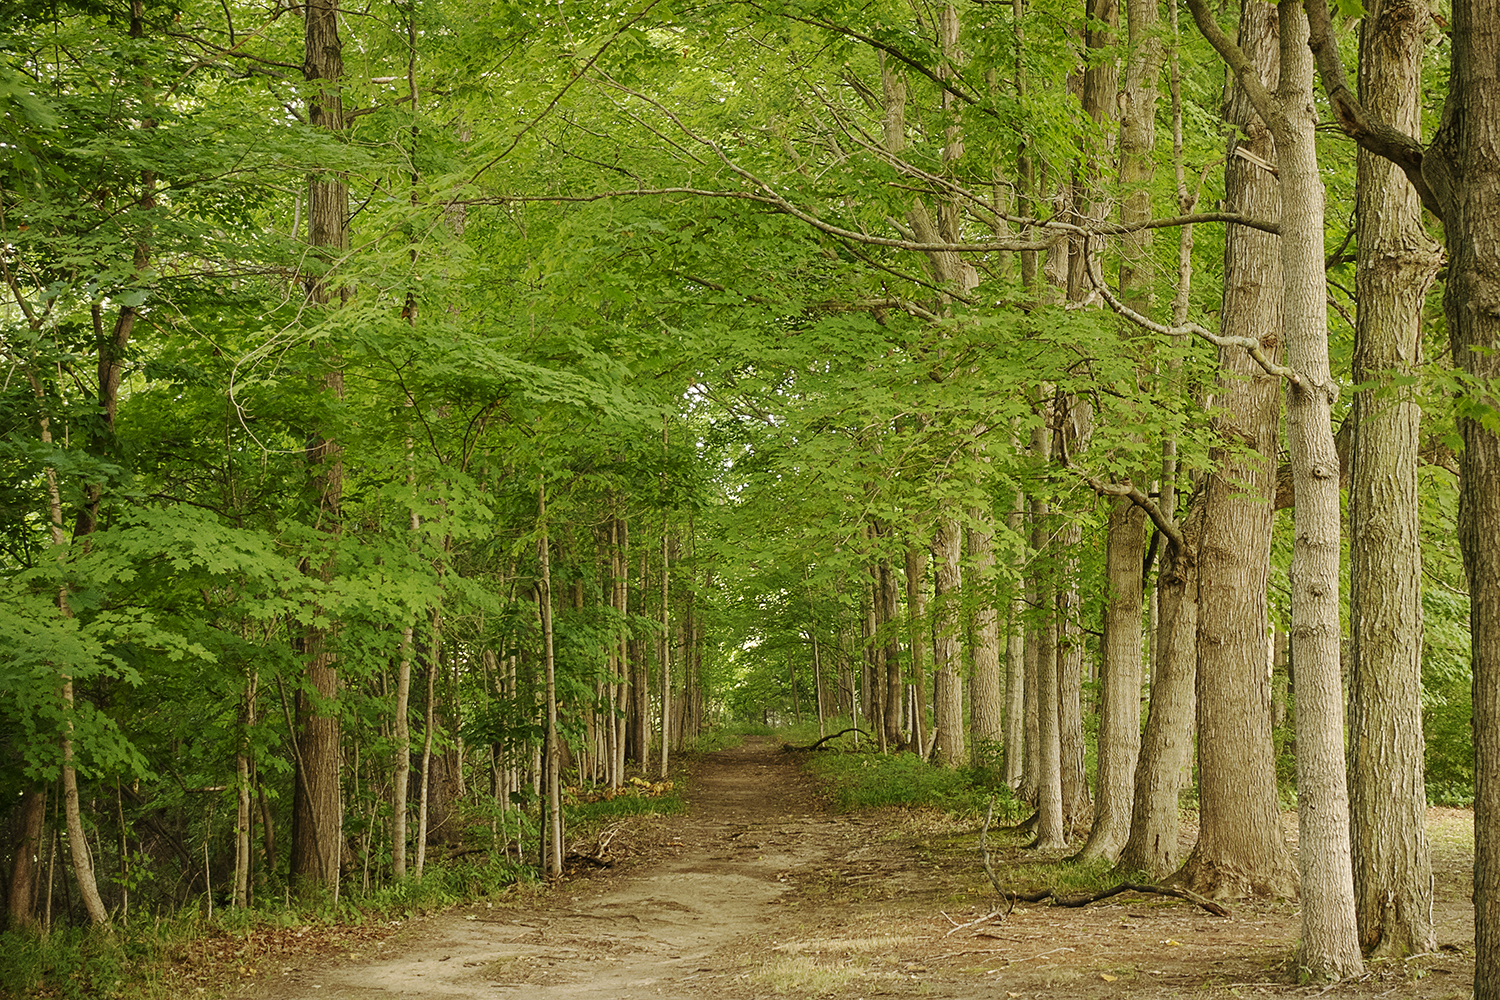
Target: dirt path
{"x":758,"y":892}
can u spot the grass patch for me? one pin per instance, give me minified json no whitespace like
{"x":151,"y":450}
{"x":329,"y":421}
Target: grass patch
{"x":666,"y":803}
{"x":804,"y":974}
{"x":869,"y":781}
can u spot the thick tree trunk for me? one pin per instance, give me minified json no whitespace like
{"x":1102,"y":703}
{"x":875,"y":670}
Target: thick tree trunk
{"x":1463,"y":168}
{"x":31,"y":817}
{"x":1240,"y":848}
{"x":1330,"y":942}
{"x":1071,"y":748}
{"x":1166,"y":759}
{"x":946,"y":548}
{"x":1395,"y":267}
{"x":1120,"y":701}
{"x":1051,"y":831}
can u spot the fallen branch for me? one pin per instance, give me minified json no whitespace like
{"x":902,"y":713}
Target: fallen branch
{"x":1084,"y":899}
{"x":788,"y":747}
{"x":1002,"y":914}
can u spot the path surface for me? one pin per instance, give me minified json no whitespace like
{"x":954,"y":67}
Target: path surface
{"x":757,"y":892}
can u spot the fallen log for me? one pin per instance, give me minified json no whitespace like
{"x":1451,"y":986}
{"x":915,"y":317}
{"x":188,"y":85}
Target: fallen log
{"x":1083,"y":899}
{"x":790,"y":747}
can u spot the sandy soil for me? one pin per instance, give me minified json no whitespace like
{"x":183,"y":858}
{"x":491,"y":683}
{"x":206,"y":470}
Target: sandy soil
{"x":759,"y":892}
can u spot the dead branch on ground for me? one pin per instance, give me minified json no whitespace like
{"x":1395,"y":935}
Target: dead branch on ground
{"x":1083,"y":899}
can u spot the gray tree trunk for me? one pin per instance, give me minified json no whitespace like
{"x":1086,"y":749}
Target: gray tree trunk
{"x":1463,"y":169}
{"x":1395,"y":267}
{"x":1240,"y":848}
{"x":1166,"y":760}
{"x":986,"y":686}
{"x":946,"y":663}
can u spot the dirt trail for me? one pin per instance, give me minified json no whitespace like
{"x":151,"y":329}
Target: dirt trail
{"x":757,"y":892}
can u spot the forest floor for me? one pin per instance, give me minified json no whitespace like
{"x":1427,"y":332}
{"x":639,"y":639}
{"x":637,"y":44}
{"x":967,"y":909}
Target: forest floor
{"x":759,"y":891}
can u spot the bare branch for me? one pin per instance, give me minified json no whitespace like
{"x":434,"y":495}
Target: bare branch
{"x":1249,"y":344}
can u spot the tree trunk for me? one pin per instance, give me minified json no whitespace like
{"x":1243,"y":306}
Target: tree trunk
{"x":1463,"y":167}
{"x":1166,"y":760}
{"x":1330,"y":942}
{"x":1051,"y":831}
{"x":1240,"y":848}
{"x":640,"y":679}
{"x":987,"y":691}
{"x":1071,"y":749}
{"x":666,"y":639}
{"x":317,"y":813}
{"x":948,"y":697}
{"x":1395,"y":267}
{"x":1120,"y":702}
{"x":1015,"y":666}
{"x":552,"y":780}
{"x":1120,"y":706}
{"x":429,"y":719}
{"x":890,"y":658}
{"x":32,"y":816}
{"x":242,"y":815}
{"x":916,"y":611}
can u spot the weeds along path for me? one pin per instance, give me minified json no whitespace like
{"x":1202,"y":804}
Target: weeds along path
{"x":757,"y":892}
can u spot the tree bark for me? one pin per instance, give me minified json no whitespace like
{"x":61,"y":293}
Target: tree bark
{"x":32,"y":815}
{"x":1120,"y":706}
{"x":552,"y":781}
{"x":987,"y":686}
{"x":890,"y":651}
{"x":1071,"y":748}
{"x":1240,"y":848}
{"x":1395,"y":266}
{"x":1330,"y":942}
{"x":1463,"y":167}
{"x":1051,"y":830}
{"x":1015,"y":666}
{"x":317,"y":813}
{"x":946,"y":546}
{"x":1166,"y":760}
{"x":916,"y":611}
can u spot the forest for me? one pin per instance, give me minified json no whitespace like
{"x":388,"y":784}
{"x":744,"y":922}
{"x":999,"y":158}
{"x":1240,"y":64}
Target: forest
{"x":419,"y":417}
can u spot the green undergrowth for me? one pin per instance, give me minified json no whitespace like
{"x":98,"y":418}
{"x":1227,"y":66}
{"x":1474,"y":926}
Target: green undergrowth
{"x":903,"y":780}
{"x":169,"y":956}
{"x":160,"y":957}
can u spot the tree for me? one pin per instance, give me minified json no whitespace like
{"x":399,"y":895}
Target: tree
{"x":1329,"y":944}
{"x":1395,"y":266}
{"x":1239,"y":845}
{"x":317,"y":812}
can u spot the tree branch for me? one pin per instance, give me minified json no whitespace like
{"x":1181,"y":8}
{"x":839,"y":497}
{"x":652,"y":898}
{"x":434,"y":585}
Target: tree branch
{"x":1250,"y":344}
{"x":1370,"y":133}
